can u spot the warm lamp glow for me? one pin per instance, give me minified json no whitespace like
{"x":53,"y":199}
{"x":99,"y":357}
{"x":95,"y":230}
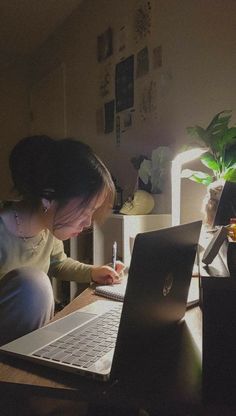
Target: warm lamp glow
{"x":176,"y":169}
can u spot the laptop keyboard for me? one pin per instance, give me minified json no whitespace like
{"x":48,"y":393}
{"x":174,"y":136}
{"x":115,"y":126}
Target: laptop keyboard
{"x":85,"y":345}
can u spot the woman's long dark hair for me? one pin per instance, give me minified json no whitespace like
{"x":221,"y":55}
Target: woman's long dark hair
{"x":60,"y":170}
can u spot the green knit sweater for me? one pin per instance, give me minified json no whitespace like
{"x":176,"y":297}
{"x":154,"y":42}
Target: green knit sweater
{"x":44,"y":252}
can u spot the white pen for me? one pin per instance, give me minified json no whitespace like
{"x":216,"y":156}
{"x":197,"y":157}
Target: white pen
{"x":114,"y":255}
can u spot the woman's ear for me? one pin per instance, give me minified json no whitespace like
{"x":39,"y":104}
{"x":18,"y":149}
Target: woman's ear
{"x":46,"y":205}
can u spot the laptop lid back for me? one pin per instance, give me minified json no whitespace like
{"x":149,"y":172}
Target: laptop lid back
{"x":157,"y":290}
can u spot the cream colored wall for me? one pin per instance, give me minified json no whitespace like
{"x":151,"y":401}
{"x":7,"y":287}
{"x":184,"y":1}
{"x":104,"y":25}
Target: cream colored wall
{"x":195,"y":81}
{"x":14,"y":118}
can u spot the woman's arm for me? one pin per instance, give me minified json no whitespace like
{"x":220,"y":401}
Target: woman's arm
{"x":66,"y":268}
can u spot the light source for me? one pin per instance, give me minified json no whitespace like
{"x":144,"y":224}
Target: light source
{"x":176,"y":168}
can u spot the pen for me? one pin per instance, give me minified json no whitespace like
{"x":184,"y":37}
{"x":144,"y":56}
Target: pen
{"x":114,"y":254}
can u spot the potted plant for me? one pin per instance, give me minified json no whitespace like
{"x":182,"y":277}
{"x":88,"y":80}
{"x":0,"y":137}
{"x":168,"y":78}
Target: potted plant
{"x":152,"y":171}
{"x":220,"y":159}
{"x":220,"y":156}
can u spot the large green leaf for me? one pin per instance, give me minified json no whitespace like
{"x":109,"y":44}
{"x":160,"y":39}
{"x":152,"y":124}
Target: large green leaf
{"x":197,"y":176}
{"x":160,"y":156}
{"x":219,"y":122}
{"x":230,"y":155}
{"x":229,"y":137}
{"x":230,"y":175}
{"x":214,"y":133}
{"x":217,"y":130}
{"x":199,"y":132}
{"x":210,"y":162}
{"x":204,"y":181}
{"x":153,"y":171}
{"x":157,"y":181}
{"x":145,"y":170}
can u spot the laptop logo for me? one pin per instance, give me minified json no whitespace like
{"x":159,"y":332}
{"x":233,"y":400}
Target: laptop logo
{"x":168,"y":283}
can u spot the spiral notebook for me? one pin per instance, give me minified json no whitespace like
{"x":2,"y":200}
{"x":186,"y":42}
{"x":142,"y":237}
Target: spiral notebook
{"x":114,"y":292}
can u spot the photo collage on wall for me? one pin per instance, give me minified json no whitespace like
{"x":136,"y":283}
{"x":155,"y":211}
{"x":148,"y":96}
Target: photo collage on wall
{"x":124,"y":56}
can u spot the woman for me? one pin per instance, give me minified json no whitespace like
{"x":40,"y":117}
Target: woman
{"x":63,"y":186}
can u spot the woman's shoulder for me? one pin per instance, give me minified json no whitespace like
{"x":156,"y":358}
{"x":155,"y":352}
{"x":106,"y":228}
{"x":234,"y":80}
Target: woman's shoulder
{"x":5,"y":215}
{"x":4,"y":207}
{"x":5,"y":204}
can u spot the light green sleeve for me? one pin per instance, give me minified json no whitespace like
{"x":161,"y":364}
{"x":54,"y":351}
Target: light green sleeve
{"x":65,"y":268}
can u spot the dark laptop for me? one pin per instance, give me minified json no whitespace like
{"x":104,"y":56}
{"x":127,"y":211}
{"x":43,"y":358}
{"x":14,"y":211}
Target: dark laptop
{"x":92,"y":340}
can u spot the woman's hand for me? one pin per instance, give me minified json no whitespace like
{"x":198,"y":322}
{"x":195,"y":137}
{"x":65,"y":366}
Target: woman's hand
{"x":106,"y":275}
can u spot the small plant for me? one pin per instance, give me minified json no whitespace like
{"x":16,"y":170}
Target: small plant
{"x":220,"y":155}
{"x":152,"y":171}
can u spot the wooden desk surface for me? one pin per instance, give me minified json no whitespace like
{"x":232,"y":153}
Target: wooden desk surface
{"x":18,"y":375}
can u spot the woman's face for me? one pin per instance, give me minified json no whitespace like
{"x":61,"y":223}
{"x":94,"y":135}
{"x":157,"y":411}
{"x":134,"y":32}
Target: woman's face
{"x":70,"y":220}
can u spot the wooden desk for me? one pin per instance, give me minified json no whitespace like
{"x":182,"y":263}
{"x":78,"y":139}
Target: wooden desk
{"x":22,"y":381}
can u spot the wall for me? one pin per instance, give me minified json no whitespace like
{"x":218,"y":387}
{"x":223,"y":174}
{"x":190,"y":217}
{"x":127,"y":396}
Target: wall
{"x":195,"y":80}
{"x":14,"y":117}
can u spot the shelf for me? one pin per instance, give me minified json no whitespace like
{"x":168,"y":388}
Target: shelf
{"x":123,"y":229}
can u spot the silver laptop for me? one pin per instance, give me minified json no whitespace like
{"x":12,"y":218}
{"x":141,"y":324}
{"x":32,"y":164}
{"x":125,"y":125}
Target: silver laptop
{"x":92,"y":341}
